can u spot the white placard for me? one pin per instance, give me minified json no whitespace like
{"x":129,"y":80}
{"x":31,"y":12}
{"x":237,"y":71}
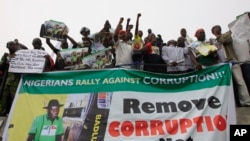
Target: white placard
{"x":28,"y":61}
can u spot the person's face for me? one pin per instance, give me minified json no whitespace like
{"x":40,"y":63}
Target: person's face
{"x":85,"y":33}
{"x":181,"y":42}
{"x":152,"y":37}
{"x":216,"y":31}
{"x":107,"y":25}
{"x":98,"y":58}
{"x":123,"y":36}
{"x":53,"y":112}
{"x":183,"y":33}
{"x":149,"y":31}
{"x":107,"y":42}
{"x":37,"y":45}
{"x":201,"y":36}
{"x":12,"y":47}
{"x":140,"y":33}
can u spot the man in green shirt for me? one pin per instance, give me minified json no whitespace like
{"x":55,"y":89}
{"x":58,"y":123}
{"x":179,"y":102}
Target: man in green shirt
{"x":47,"y":127}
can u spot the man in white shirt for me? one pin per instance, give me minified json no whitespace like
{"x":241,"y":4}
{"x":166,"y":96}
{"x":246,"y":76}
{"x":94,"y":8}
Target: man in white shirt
{"x":173,"y":56}
{"x":123,"y":50}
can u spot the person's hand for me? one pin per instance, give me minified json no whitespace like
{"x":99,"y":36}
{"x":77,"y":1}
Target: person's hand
{"x":173,"y":64}
{"x":112,"y":50}
{"x":130,"y":27}
{"x":121,"y":19}
{"x":66,"y":35}
{"x":12,"y":55}
{"x":5,"y":55}
{"x":198,"y":67}
{"x":46,"y":56}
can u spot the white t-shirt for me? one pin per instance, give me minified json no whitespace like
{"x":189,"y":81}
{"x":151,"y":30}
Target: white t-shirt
{"x":174,"y":54}
{"x":124,"y":52}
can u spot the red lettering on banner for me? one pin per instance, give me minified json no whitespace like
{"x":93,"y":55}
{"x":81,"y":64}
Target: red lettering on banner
{"x":157,"y":127}
{"x":198,"y":121}
{"x":141,"y":128}
{"x":209,"y":123}
{"x":220,"y":123}
{"x":184,"y":124}
{"x":172,"y":129}
{"x":114,"y":129}
{"x":167,"y":127}
{"x":127,"y":128}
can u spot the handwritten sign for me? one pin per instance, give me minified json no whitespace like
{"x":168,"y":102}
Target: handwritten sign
{"x":28,"y":61}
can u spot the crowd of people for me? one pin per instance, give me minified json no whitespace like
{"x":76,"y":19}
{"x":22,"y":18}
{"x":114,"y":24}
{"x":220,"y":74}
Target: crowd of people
{"x":134,"y":50}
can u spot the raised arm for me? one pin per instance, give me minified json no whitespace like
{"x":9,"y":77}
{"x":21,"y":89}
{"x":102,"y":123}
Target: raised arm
{"x":72,"y":41}
{"x":127,"y":25}
{"x":118,"y":28}
{"x":55,"y":50}
{"x":137,"y":24}
{"x":106,"y":27}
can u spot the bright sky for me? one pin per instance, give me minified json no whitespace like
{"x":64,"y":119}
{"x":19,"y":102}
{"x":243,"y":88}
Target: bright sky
{"x":22,"y":19}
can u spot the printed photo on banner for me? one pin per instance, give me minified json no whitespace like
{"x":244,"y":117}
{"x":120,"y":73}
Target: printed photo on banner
{"x":74,"y":117}
{"x":47,"y":126}
{"x":98,"y":59}
{"x":73,"y":58}
{"x":78,"y":58}
{"x":54,"y":30}
{"x":86,"y":112}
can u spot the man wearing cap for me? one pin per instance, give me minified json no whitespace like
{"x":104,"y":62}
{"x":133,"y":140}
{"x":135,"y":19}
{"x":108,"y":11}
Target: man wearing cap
{"x":203,"y":53}
{"x":47,"y":127}
{"x":123,"y":50}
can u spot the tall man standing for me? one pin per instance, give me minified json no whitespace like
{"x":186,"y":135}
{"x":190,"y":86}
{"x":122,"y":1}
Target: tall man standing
{"x":228,"y":55}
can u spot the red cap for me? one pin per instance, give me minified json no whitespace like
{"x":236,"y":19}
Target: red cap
{"x":198,"y":31}
{"x":122,"y":31}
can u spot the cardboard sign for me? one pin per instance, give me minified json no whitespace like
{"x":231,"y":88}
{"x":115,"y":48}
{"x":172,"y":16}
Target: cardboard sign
{"x":28,"y":61}
{"x":240,"y":33}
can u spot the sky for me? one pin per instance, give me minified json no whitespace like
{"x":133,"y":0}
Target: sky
{"x":22,"y":19}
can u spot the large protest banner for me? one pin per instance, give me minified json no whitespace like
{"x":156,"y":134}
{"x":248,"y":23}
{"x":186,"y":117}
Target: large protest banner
{"x":128,"y":105}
